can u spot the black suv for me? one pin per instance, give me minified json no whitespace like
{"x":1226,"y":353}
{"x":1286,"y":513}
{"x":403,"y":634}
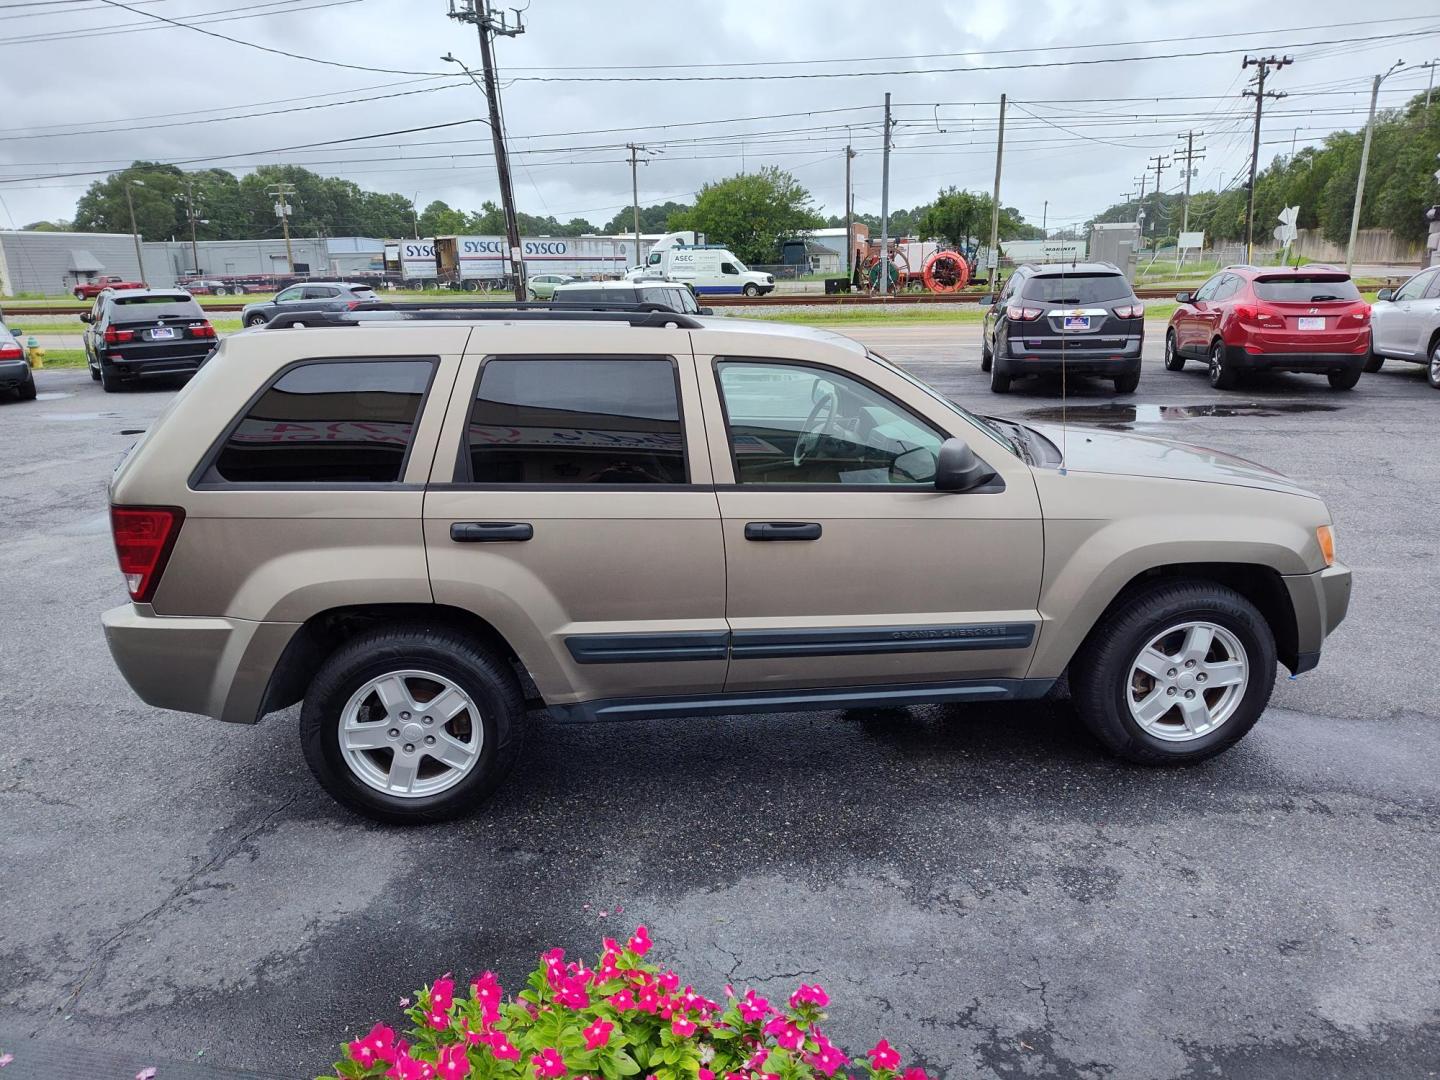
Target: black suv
{"x":135,"y":333}
{"x":308,"y":296}
{"x":1083,"y":317}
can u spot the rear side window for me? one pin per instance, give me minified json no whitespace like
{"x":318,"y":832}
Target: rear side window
{"x":1295,"y":289}
{"x":1076,"y":288}
{"x":601,"y":421}
{"x":583,"y":296}
{"x":341,"y":422}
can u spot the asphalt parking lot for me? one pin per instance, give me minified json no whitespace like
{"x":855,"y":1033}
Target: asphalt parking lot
{"x":978,"y":884}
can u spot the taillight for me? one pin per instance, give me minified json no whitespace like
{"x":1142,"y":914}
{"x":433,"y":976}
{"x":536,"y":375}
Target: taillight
{"x":1023,"y":314}
{"x":1130,"y":311}
{"x":11,"y":351}
{"x":203,"y":329}
{"x":144,"y":537}
{"x":115,"y":337}
{"x":1259,"y":316}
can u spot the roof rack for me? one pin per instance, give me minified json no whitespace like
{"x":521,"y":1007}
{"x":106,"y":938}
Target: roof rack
{"x":640,"y":315}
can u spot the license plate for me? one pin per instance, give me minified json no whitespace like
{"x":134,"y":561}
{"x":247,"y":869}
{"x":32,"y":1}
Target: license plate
{"x":162,"y":333}
{"x":1312,"y":324}
{"x":1075,"y":322}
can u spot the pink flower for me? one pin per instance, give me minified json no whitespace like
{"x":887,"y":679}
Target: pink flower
{"x":639,"y":942}
{"x":407,"y":1067}
{"x":442,"y":994}
{"x":883,"y":1056}
{"x":500,"y":1046}
{"x":787,"y":1035}
{"x":548,"y":1063}
{"x":754,"y":1007}
{"x":571,"y":993}
{"x":377,"y":1046}
{"x":597,"y":1034}
{"x":827,"y":1057}
{"x":624,"y":1001}
{"x":6,"y":1059}
{"x":487,"y":989}
{"x":454,"y":1063}
{"x":809,"y":995}
{"x":915,"y":1074}
{"x":682,"y":1027}
{"x":706,"y":1074}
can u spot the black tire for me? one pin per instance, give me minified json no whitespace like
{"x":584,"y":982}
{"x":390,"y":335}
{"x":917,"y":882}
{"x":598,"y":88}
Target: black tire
{"x":255,"y":320}
{"x":221,"y":290}
{"x":1432,"y":369}
{"x":94,"y":372}
{"x":27,"y":390}
{"x":109,"y":381}
{"x":1127,"y":383}
{"x":239,"y":290}
{"x":1223,"y":375}
{"x":448,"y":653}
{"x":1373,"y":363}
{"x":1100,"y":674}
{"x":999,"y":381}
{"x":751,"y":289}
{"x":1344,"y":379}
{"x":1174,"y":358}
{"x":78,"y":295}
{"x":987,"y":357}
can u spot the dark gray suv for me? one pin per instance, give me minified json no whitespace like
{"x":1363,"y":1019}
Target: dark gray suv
{"x":307,"y":296}
{"x":1082,"y":317}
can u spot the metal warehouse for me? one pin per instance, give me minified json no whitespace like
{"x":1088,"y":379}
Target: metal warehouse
{"x":53,"y":263}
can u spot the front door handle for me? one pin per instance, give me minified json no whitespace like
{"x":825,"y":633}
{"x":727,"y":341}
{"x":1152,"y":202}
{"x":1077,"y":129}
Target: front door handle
{"x":490,"y":532}
{"x":782,"y":530}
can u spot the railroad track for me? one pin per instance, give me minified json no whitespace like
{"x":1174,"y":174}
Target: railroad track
{"x":19,"y":311}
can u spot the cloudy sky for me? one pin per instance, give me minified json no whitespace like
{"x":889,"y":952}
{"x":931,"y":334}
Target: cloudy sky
{"x":712,"y":88}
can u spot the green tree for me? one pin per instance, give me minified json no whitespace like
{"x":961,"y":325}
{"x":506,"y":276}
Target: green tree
{"x":441,"y":219}
{"x":751,"y":213}
{"x":652,"y":218}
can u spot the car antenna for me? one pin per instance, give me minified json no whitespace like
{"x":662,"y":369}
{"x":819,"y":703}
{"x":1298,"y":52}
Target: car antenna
{"x":1064,"y":389}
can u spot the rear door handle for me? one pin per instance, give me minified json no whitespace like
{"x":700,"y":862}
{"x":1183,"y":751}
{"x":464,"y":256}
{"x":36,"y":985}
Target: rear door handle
{"x":490,"y":532}
{"x":782,"y":530}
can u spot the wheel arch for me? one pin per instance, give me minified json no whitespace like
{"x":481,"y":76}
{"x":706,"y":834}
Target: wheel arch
{"x":324,"y":632}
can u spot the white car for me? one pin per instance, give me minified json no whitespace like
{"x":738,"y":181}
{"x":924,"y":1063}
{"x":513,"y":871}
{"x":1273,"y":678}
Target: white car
{"x":1405,"y":325}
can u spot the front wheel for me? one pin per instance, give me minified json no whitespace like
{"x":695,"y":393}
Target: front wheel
{"x":1177,"y":673}
{"x":1344,"y":379}
{"x":256,"y":320}
{"x":1432,"y":369}
{"x":79,"y":294}
{"x":987,"y":356}
{"x":1174,"y":359}
{"x":411,"y":724}
{"x":1127,"y":384}
{"x":751,"y":290}
{"x":1223,"y":375}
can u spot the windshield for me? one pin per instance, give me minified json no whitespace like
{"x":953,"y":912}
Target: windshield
{"x":739,"y":265}
{"x":984,"y":426}
{"x":1076,"y":288}
{"x":1307,"y":289}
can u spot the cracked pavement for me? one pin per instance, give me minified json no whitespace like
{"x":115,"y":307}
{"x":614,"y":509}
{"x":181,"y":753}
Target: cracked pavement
{"x":980,"y":885}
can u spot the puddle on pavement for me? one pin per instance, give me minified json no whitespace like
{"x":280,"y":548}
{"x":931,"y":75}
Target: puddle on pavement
{"x":83,"y":416}
{"x":1115,"y":415}
{"x":53,"y":395}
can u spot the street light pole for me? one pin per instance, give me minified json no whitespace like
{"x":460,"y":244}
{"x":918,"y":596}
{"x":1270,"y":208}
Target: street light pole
{"x":1364,"y":163}
{"x":134,"y":229}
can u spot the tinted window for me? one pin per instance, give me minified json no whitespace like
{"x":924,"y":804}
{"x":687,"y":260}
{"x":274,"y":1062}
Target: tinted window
{"x":150,"y":308}
{"x":587,"y":296}
{"x":1229,"y":285}
{"x":791,"y":424}
{"x":288,"y":294}
{"x":1207,"y":291}
{"x":577,"y":422}
{"x":1306,"y":290}
{"x":1076,"y":288}
{"x":321,"y":292}
{"x":331,"y":423}
{"x":363,"y":294}
{"x":1415,"y":288}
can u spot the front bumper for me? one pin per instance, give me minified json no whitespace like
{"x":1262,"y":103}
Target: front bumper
{"x":1312,"y":363}
{"x":1320,"y":601}
{"x":219,"y":668}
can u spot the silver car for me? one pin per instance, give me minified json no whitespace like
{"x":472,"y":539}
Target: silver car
{"x":1405,"y":324}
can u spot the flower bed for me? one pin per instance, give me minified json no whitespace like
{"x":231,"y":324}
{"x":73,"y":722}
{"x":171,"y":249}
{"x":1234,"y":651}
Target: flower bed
{"x":622,"y":1018}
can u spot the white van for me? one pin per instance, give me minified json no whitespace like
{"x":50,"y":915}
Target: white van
{"x":709,"y":270}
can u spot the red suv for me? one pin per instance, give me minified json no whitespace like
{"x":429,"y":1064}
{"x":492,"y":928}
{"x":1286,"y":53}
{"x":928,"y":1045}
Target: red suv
{"x":1245,"y":318}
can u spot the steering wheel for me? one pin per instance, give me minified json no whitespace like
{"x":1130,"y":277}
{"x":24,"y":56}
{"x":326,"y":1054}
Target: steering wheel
{"x":818,"y":424}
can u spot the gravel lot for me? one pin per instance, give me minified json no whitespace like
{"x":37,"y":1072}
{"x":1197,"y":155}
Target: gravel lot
{"x":979,"y":884}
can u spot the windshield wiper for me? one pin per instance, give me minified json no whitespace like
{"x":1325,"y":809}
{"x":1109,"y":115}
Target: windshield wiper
{"x":1324,"y":296}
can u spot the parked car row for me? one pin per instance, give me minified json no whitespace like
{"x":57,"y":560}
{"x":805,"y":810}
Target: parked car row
{"x":1084,"y":319}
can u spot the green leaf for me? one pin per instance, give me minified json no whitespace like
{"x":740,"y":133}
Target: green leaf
{"x":624,"y":1064}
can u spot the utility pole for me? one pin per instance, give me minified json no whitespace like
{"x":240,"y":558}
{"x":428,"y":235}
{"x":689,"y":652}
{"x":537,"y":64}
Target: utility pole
{"x":1161,"y":163}
{"x":884,"y":265}
{"x":1045,"y":217}
{"x":1430,"y":82}
{"x":190,"y":211}
{"x":635,"y":161}
{"x":994,"y":257}
{"x":281,"y":194}
{"x":1364,"y":162}
{"x":849,"y":244}
{"x":1140,"y":204}
{"x":134,"y":230}
{"x":490,"y":26}
{"x":1191,"y":156}
{"x":1262,"y":67}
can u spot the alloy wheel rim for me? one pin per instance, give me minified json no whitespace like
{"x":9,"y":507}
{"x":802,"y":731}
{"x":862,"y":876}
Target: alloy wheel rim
{"x":410,"y":734}
{"x":1435,"y":366}
{"x":1187,"y":681}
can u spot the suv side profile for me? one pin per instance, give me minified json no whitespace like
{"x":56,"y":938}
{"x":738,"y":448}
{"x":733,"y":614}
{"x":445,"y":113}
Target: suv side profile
{"x":422,"y":523}
{"x":674,"y":295}
{"x":1405,"y":325}
{"x":1246,"y":318}
{"x":1079,"y":318}
{"x":308,"y":296}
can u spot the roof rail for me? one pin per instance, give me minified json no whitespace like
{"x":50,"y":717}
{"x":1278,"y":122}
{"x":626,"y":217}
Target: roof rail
{"x":641,"y":315}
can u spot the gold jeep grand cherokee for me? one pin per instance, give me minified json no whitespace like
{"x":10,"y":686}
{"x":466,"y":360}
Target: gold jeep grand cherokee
{"x":420,"y":522}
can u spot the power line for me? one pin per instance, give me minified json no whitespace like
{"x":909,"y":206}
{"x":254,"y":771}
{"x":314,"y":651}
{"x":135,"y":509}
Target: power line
{"x":283,"y":7}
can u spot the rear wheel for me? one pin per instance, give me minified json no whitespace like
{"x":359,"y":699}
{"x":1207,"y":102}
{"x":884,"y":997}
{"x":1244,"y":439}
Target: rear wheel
{"x":79,"y":294}
{"x":1223,"y":375}
{"x":1127,"y":383}
{"x":27,"y":390}
{"x":1178,"y":672}
{"x":1344,"y":379}
{"x":1432,"y":369}
{"x":94,"y":372}
{"x":1174,"y":361}
{"x":999,"y":382}
{"x":411,"y":724}
{"x":1373,"y":363}
{"x":109,"y":381}
{"x":256,"y":320}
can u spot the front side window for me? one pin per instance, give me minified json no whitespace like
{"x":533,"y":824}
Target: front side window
{"x":340,"y":422}
{"x":581,"y":421}
{"x":728,"y":268}
{"x":1415,"y":288}
{"x":1207,"y":291}
{"x":288,"y":295}
{"x":794,"y":424}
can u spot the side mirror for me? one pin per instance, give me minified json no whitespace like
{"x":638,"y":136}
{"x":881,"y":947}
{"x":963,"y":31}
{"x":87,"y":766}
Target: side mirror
{"x":1385,"y":294}
{"x":87,"y":316}
{"x":957,"y":468}
{"x":707,"y":311}
{"x":1184,"y":297}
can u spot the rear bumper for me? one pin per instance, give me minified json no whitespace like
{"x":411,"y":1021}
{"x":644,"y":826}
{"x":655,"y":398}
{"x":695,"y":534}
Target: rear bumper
{"x":1320,"y":601}
{"x":219,"y":668}
{"x":1309,"y":362}
{"x":139,"y":367}
{"x":14,"y":373}
{"x":1024,"y":354}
